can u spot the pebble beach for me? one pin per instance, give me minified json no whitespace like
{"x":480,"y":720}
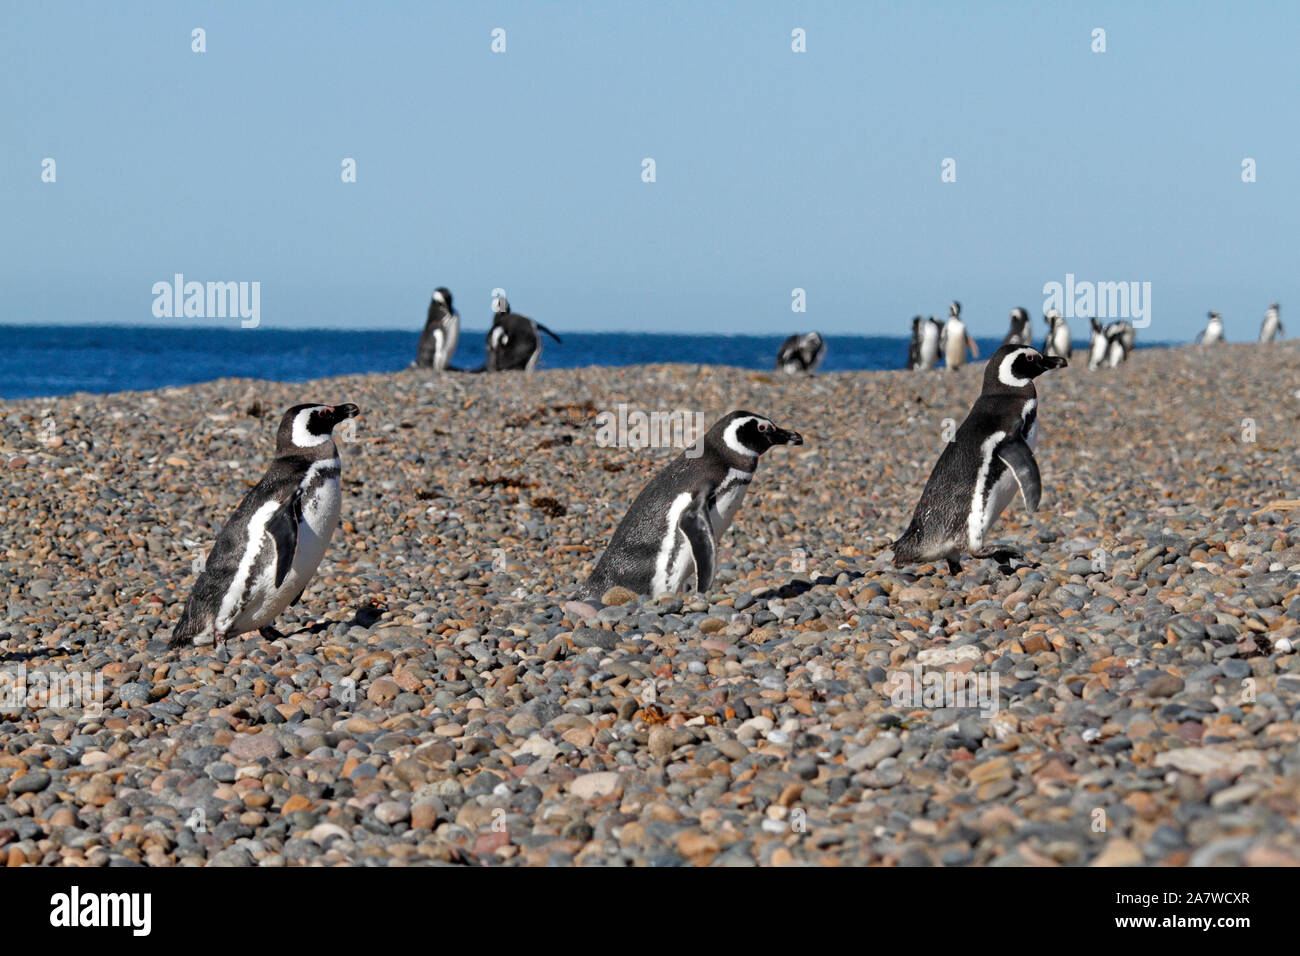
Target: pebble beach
{"x":440,"y":698}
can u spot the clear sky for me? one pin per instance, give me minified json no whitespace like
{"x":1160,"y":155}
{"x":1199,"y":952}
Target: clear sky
{"x":775,"y":170}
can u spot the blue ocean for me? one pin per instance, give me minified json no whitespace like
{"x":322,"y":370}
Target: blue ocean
{"x":38,"y":361}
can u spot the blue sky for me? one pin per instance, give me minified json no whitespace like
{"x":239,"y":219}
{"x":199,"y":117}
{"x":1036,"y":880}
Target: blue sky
{"x":775,"y":170}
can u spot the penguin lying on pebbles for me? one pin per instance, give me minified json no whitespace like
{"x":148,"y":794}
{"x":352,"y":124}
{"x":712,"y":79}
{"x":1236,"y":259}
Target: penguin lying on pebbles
{"x":271,"y":546}
{"x":513,"y":343}
{"x":979,"y":472}
{"x":801,"y":353}
{"x":668,"y":540}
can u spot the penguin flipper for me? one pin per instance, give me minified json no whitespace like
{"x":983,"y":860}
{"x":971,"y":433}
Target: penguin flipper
{"x":283,"y":529}
{"x":699,"y":533}
{"x":1019,"y":459}
{"x":548,"y":332}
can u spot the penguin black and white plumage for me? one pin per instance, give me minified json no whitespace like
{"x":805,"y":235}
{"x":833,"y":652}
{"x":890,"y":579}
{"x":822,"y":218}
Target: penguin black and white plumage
{"x":1020,"y":332}
{"x":954,"y":340}
{"x":668,"y":540}
{"x":513,"y":343}
{"x":272,"y":545}
{"x":801,"y":353}
{"x":1110,"y":345}
{"x":1058,"y":335}
{"x":441,"y":333}
{"x":1271,"y":327}
{"x":988,"y":460}
{"x":1212,"y":334}
{"x":927,"y":349}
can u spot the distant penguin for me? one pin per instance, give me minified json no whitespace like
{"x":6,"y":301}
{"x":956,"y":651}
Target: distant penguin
{"x":801,"y":353}
{"x":928,"y":346}
{"x":272,"y":545}
{"x":955,"y":341}
{"x":1109,"y":346}
{"x":1057,"y":343}
{"x":513,"y":343}
{"x":1212,"y":334}
{"x":1020,"y":332}
{"x":1271,"y":327}
{"x":668,"y":540}
{"x":441,"y":333}
{"x":914,"y":346}
{"x":980,"y":470}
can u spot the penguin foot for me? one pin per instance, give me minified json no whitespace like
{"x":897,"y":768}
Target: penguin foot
{"x":954,"y":566}
{"x":1002,"y":555}
{"x":270,"y":633}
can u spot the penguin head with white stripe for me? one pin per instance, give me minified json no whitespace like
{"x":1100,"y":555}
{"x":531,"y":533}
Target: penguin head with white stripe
{"x":1013,"y":368}
{"x":307,"y":427}
{"x":442,"y":295}
{"x":747,"y":435}
{"x":500,"y":305}
{"x":954,"y":310}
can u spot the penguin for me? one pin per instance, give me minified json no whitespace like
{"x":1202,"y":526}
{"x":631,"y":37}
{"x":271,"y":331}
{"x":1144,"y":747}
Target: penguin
{"x":914,"y":346}
{"x":954,"y":341}
{"x":513,"y":342}
{"x":668,"y":540}
{"x":1058,"y":335}
{"x":928,"y":349}
{"x":988,"y":460}
{"x":801,"y":353}
{"x":1110,"y":345}
{"x":1271,"y":327}
{"x":270,"y":548}
{"x":1212,"y":334}
{"x":1020,"y":332}
{"x":441,"y":333}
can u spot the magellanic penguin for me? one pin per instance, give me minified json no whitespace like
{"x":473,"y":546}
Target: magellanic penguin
{"x":955,"y":341}
{"x":1271,"y":327}
{"x":988,"y":460}
{"x":914,"y":346}
{"x":928,"y":346}
{"x":441,"y":333}
{"x":1058,"y":335}
{"x":268,"y":551}
{"x":801,"y":353}
{"x":1109,"y":346}
{"x":1212,"y":334}
{"x":512,"y":342}
{"x":1020,"y":332}
{"x":668,"y":540}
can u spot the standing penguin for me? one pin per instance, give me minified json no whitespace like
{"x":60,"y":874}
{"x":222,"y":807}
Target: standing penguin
{"x":1110,"y":345}
{"x":512,"y":342}
{"x":801,"y":353}
{"x":1058,"y":335}
{"x":441,"y":333}
{"x":271,"y":546}
{"x":955,"y":341}
{"x":1212,"y":334}
{"x":979,"y":472}
{"x":1020,"y":332}
{"x":1271,"y":327}
{"x":668,"y":540}
{"x":928,"y":346}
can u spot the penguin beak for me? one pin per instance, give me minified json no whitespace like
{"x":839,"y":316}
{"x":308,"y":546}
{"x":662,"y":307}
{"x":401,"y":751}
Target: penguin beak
{"x":784,"y":437}
{"x":1053,"y":361}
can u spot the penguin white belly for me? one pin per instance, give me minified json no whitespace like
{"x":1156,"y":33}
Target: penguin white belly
{"x":727,"y":500}
{"x":1097,"y":351}
{"x":929,"y":346}
{"x":1213,"y":334}
{"x":1002,"y":493}
{"x":448,"y":348}
{"x":954,"y":346}
{"x":320,"y":516}
{"x":1115,"y":354}
{"x":1061,"y":341}
{"x":532,"y":359}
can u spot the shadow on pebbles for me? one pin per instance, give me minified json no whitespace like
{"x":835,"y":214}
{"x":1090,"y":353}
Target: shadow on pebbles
{"x":1129,"y":694}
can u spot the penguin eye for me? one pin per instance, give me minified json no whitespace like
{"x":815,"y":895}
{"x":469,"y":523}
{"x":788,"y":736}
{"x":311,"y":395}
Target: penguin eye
{"x":765,"y":426}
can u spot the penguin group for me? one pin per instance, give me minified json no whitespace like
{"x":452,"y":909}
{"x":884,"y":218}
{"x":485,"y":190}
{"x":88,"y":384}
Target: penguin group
{"x":1270,"y":329}
{"x":513,"y":342}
